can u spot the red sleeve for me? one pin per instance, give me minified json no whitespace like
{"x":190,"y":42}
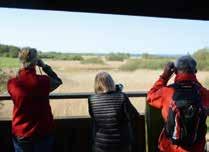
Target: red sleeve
{"x":12,"y":88}
{"x":155,"y":94}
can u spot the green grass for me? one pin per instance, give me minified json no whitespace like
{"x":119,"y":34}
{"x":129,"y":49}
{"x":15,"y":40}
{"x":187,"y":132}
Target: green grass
{"x":154,"y":64}
{"x":6,"y":62}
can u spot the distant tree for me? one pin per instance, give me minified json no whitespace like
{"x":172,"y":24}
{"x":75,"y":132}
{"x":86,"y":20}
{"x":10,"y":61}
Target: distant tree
{"x":3,"y":49}
{"x":202,"y":58}
{"x":146,"y":56}
{"x":150,"y":56}
{"x":13,"y":51}
{"x":9,"y":50}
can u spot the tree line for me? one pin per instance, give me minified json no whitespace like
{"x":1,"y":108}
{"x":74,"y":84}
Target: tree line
{"x":201,"y":55}
{"x":202,"y":58}
{"x":12,"y":51}
{"x":9,"y":51}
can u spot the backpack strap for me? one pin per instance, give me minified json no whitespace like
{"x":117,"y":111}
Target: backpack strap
{"x":183,"y":87}
{"x":183,"y":84}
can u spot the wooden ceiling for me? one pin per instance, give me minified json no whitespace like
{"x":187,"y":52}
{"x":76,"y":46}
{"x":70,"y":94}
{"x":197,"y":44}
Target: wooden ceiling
{"x":185,"y":9}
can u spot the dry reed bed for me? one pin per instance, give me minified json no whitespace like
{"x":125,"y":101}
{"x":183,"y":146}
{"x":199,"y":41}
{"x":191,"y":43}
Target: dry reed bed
{"x":80,"y":78}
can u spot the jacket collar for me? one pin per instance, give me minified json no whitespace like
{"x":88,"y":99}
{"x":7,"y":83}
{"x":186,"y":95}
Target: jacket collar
{"x":185,"y":77}
{"x":25,"y":71}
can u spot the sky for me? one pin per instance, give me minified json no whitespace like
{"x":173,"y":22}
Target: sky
{"x":101,"y":33}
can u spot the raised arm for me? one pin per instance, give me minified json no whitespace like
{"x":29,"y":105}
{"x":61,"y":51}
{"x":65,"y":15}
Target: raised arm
{"x":55,"y":81}
{"x":154,"y":96}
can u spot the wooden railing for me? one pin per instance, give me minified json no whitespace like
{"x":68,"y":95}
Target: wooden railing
{"x":80,"y":95}
{"x":74,"y":133}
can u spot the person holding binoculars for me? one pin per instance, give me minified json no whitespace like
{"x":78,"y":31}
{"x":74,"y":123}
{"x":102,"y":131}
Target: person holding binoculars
{"x":184,"y":105}
{"x":32,"y":122}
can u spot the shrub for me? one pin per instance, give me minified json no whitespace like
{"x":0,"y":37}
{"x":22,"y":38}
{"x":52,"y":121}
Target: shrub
{"x":93,"y":60}
{"x":201,"y":54}
{"x":202,"y":65}
{"x":202,"y":58}
{"x":130,"y":65}
{"x":60,"y":56}
{"x":76,"y":58}
{"x":117,"y":56}
{"x":135,"y":64}
{"x":148,"y":56}
{"x":9,"y":51}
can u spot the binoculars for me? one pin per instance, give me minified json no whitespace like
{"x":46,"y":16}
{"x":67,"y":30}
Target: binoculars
{"x":119,"y":87}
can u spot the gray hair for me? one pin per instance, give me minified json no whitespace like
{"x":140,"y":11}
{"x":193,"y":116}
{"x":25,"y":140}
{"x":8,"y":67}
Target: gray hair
{"x":28,"y":56}
{"x":186,"y":64}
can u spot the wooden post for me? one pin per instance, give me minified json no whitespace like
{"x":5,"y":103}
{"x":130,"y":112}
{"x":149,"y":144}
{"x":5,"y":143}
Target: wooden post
{"x":154,"y":125}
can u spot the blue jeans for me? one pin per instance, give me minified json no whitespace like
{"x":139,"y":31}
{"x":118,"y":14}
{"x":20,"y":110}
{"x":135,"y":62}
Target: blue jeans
{"x":44,"y":144}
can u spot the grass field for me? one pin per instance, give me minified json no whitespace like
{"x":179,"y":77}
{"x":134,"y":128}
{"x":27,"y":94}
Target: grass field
{"x":78,"y":77}
{"x":9,"y":62}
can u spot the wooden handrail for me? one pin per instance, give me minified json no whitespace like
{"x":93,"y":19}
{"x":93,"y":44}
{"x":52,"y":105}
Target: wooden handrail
{"x":80,"y":95}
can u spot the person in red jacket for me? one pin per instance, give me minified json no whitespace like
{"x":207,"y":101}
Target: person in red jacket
{"x":32,"y":122}
{"x":163,"y":96}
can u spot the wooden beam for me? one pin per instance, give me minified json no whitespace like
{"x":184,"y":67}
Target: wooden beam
{"x":185,"y":9}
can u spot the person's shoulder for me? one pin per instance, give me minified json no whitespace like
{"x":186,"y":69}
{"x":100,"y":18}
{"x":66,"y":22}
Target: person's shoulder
{"x":94,"y":96}
{"x":169,"y":88}
{"x":12,"y":83}
{"x":12,"y":80}
{"x":121,"y":94}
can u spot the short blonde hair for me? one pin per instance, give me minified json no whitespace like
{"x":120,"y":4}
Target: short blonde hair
{"x":103,"y":83}
{"x":28,"y":56}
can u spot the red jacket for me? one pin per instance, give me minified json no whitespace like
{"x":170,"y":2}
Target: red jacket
{"x":32,"y":114}
{"x":160,"y":96}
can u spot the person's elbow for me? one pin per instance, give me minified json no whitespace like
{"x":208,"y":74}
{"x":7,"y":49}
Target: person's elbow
{"x":54,"y":84}
{"x":59,"y":81}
